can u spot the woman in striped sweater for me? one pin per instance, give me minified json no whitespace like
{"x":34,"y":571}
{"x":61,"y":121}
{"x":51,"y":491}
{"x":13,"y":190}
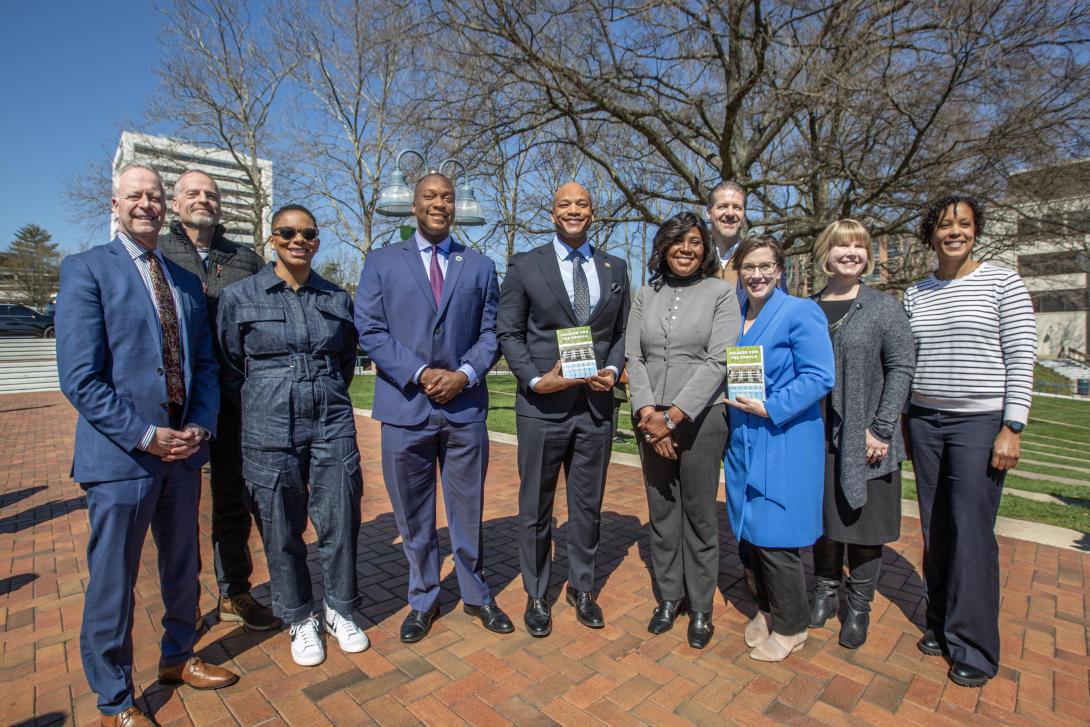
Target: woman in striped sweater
{"x":975,"y":348}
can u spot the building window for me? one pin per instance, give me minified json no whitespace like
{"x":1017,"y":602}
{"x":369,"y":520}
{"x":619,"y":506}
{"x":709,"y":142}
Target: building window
{"x":1059,"y":301}
{"x":1053,"y":263}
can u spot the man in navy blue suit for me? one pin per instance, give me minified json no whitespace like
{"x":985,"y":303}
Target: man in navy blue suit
{"x":135,"y":357}
{"x":426,"y":315}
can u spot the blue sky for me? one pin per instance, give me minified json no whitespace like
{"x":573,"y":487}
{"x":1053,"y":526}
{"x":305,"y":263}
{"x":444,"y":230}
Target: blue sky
{"x":74,"y":72}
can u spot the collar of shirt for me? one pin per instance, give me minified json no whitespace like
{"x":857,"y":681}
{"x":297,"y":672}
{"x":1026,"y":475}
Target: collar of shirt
{"x":564,"y":252}
{"x":270,"y":280}
{"x":426,"y":247}
{"x":135,"y":249}
{"x":724,"y":259}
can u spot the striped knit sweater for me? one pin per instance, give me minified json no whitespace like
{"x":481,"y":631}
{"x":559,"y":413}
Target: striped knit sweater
{"x":976,"y":343}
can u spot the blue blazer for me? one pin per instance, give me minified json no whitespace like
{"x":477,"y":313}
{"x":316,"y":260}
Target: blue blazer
{"x":775,"y":467}
{"x":110,"y":359}
{"x":402,"y":329}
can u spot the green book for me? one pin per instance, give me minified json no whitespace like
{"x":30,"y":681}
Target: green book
{"x":746,"y":372}
{"x":576,"y":352}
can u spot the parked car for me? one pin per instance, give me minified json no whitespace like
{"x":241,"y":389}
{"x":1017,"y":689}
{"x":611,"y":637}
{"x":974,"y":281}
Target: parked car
{"x":19,"y":320}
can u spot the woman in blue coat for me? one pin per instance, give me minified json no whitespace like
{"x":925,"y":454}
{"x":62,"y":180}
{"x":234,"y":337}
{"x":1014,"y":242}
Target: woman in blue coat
{"x":775,"y":461}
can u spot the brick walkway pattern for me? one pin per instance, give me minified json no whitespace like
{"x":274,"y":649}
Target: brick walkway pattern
{"x":462,"y":674}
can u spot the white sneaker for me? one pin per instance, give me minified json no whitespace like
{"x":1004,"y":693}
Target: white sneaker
{"x":349,"y":635}
{"x":306,"y":644}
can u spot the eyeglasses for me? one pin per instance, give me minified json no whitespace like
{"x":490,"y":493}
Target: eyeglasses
{"x":764,"y":268}
{"x":288,"y":233}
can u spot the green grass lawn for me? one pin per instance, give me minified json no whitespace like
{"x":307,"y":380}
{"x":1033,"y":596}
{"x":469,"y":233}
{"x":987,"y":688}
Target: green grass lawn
{"x":1042,"y":439}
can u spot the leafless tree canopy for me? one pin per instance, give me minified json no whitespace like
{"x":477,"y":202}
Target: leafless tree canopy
{"x":822,"y":110}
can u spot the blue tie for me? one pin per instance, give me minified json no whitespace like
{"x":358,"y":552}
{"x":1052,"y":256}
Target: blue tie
{"x":582,"y":290}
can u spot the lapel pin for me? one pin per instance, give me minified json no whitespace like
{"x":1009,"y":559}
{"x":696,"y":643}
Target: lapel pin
{"x":457,"y":258}
{"x":608,"y":265}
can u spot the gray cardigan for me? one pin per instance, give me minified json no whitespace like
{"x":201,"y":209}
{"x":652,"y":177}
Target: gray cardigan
{"x":875,"y":358}
{"x":676,"y":343}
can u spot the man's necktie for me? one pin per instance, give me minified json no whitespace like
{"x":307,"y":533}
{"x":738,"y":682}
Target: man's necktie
{"x":168,"y":322}
{"x":435,"y":273}
{"x":582,"y":290}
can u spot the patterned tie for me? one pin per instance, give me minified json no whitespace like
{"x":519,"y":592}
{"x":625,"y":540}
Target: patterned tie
{"x":582,"y":290}
{"x":168,"y":320}
{"x":435,"y":273}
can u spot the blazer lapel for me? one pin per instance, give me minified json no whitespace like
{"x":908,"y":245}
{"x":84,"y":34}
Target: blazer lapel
{"x":764,"y":318}
{"x":416,"y":270}
{"x":605,"y":280}
{"x":136,"y":283}
{"x":455,"y":262}
{"x":550,"y":271}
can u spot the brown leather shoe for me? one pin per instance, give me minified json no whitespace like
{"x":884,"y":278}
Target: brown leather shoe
{"x":131,"y":717}
{"x":197,"y":674}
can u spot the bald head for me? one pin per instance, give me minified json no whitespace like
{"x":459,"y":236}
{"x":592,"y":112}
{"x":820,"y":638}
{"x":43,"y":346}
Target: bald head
{"x":572,"y":214}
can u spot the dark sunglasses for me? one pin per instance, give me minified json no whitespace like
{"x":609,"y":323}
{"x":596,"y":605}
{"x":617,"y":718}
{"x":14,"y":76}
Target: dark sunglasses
{"x":289,"y":233}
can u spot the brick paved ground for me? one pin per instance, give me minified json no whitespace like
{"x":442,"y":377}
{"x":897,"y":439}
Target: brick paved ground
{"x":462,"y":674}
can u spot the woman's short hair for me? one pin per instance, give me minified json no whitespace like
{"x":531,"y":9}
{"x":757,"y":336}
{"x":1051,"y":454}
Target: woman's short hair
{"x":842,"y":232}
{"x":935,"y":211}
{"x":670,"y":232}
{"x":293,"y":208}
{"x":756,"y":242}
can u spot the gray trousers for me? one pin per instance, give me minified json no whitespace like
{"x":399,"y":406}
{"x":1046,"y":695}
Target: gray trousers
{"x":681,"y":503}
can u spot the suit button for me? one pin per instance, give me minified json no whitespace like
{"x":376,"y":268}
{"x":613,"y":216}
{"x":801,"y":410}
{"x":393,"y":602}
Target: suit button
{"x":439,"y":331}
{"x":159,"y":371}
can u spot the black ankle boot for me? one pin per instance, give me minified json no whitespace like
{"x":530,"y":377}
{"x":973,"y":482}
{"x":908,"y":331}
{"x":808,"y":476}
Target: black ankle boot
{"x":826,"y":601}
{"x":853,"y":632}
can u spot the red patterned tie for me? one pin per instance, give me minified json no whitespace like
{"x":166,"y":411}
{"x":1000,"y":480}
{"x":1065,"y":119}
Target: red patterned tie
{"x":168,"y":320}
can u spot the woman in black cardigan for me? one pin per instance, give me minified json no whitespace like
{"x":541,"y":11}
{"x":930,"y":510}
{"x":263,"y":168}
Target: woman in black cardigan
{"x":875,"y":360}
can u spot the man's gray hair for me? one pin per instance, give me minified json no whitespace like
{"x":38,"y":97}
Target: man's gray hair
{"x":186,"y":173}
{"x":727,"y":185}
{"x":138,"y":165}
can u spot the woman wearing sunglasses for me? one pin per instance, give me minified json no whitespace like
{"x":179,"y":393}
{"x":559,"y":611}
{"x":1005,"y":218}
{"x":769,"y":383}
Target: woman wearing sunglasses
{"x":776,"y":451}
{"x":289,"y":348}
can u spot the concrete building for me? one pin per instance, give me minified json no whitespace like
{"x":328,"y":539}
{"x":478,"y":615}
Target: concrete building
{"x":172,"y":157}
{"x":1048,"y":219}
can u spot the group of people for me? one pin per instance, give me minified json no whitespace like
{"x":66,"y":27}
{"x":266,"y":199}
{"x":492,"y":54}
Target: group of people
{"x":190,"y":347}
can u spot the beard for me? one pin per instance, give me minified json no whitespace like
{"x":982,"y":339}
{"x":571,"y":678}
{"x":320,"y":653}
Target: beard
{"x":201,"y":220}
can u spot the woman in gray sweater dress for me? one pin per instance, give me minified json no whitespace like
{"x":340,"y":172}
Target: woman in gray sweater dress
{"x":875,"y":360}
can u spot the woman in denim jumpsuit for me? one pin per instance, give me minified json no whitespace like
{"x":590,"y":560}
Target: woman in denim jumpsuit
{"x":289,"y":349}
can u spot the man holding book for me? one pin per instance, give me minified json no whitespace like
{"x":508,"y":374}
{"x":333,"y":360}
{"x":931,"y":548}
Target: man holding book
{"x":563,"y":422}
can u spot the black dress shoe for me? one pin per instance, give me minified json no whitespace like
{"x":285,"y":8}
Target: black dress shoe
{"x":587,"y":611}
{"x":967,"y":676}
{"x":826,"y":601}
{"x":700,"y":629}
{"x":491,"y":616}
{"x":538,"y":619}
{"x":662,"y":620}
{"x":930,"y":644}
{"x":417,"y":625}
{"x":853,"y":632}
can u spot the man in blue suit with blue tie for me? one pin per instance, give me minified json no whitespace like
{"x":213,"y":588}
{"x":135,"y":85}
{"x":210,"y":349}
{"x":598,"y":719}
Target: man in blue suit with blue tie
{"x":135,"y":357}
{"x":426,"y":315}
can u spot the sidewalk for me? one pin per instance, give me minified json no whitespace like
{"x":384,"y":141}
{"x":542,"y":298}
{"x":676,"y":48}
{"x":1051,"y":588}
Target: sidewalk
{"x":462,"y":674}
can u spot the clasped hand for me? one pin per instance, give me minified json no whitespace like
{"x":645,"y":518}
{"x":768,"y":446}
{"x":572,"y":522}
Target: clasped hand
{"x":553,"y":380}
{"x":172,"y":445}
{"x":653,"y":427}
{"x":441,"y":385}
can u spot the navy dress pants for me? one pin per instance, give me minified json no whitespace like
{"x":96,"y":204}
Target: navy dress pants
{"x":959,"y":495}
{"x":120,"y":514}
{"x":410,"y":456}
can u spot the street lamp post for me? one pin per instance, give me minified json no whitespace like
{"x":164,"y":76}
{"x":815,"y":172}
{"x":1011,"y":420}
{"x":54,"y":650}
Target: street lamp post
{"x":395,"y":199}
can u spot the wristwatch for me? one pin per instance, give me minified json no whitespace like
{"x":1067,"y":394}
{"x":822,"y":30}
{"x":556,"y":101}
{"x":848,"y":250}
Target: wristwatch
{"x":1014,"y":426}
{"x":669,"y":422}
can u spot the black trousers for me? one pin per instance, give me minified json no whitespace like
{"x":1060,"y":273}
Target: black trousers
{"x":231,"y":519}
{"x":781,"y":588}
{"x":580,"y":444}
{"x":681,"y":503}
{"x":959,"y":495}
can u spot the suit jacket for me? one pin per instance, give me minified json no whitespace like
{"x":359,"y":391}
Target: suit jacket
{"x":676,"y":344}
{"x":775,"y":466}
{"x":110,"y":359}
{"x":534,"y":304}
{"x":402,"y":329}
